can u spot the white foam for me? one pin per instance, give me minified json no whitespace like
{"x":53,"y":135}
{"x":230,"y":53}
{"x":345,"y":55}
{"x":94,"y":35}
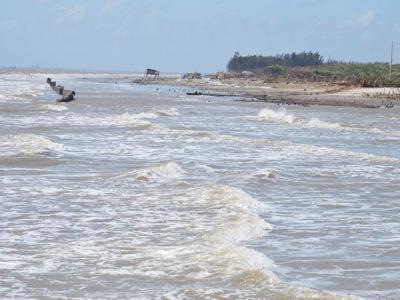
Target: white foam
{"x":143,"y":115}
{"x":27,"y":144}
{"x":55,"y":107}
{"x":351,"y":170}
{"x":260,"y":288}
{"x":210,"y":221}
{"x":317,"y":123}
{"x":19,"y":87}
{"x":92,"y":119}
{"x":276,"y":116}
{"x":282,"y":116}
{"x":326,"y":151}
{"x":125,"y":120}
{"x":230,"y":195}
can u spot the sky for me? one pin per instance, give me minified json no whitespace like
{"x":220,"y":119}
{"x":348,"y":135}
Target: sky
{"x":191,"y":35}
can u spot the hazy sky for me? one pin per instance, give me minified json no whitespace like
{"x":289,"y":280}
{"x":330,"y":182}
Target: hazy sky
{"x":189,"y":35}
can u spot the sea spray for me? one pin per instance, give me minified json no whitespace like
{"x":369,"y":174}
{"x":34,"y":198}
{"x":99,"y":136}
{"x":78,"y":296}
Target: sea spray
{"x":280,"y":116}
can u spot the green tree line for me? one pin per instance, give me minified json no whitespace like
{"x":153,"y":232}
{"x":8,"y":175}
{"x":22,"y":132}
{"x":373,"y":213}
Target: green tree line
{"x":253,"y":63}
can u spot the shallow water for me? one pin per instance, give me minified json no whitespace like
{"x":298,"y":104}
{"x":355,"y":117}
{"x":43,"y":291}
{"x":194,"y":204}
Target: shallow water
{"x":142,"y":192}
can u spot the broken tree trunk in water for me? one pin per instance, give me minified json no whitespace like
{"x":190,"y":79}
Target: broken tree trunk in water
{"x":67,"y":95}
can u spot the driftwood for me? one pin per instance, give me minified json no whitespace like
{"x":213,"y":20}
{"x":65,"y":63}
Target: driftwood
{"x":67,"y":95}
{"x":196,"y":93}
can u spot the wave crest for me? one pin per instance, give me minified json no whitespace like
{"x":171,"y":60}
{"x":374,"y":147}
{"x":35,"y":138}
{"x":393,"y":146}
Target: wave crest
{"x":125,"y":119}
{"x":276,"y":116}
{"x":317,"y":123}
{"x":168,"y":170}
{"x":240,"y":221}
{"x":28,"y":144}
{"x":284,"y":117}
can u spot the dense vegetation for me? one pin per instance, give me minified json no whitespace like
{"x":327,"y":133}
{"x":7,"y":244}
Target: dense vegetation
{"x":311,"y":66}
{"x":258,"y":62}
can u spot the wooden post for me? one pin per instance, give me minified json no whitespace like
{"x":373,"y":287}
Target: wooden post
{"x":391,"y":63}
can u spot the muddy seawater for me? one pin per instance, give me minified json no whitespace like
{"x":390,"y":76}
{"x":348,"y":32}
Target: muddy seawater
{"x":142,"y":192}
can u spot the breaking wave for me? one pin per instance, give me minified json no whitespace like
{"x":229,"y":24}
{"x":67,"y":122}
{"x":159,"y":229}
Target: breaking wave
{"x":143,"y":115}
{"x":276,"y":116}
{"x":28,"y":144}
{"x":137,"y":120}
{"x":19,"y":87}
{"x":213,"y":222}
{"x":282,"y":116}
{"x":168,"y":170}
{"x":125,"y":120}
{"x":241,"y":222}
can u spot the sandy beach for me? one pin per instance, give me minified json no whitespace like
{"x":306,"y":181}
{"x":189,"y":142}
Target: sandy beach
{"x":296,"y":93}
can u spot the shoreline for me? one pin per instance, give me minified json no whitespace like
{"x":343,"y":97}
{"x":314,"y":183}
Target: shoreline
{"x":287,"y":93}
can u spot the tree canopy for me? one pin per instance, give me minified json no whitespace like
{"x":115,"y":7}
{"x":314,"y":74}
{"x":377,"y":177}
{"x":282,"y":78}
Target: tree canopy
{"x":253,"y":63}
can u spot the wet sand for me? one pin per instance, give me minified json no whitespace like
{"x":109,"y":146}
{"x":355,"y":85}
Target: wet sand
{"x":311,"y":93}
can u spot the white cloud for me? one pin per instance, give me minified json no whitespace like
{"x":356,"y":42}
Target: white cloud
{"x":71,"y":15}
{"x":364,"y":19}
{"x":111,"y":5}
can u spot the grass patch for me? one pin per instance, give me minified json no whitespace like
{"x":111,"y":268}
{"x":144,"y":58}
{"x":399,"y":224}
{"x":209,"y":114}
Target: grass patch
{"x":366,"y":75}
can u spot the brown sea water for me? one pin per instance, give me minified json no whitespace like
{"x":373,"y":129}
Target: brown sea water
{"x":141,"y":192}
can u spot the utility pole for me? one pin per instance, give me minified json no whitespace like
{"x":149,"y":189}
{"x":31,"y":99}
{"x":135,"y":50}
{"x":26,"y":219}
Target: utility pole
{"x":391,"y":63}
